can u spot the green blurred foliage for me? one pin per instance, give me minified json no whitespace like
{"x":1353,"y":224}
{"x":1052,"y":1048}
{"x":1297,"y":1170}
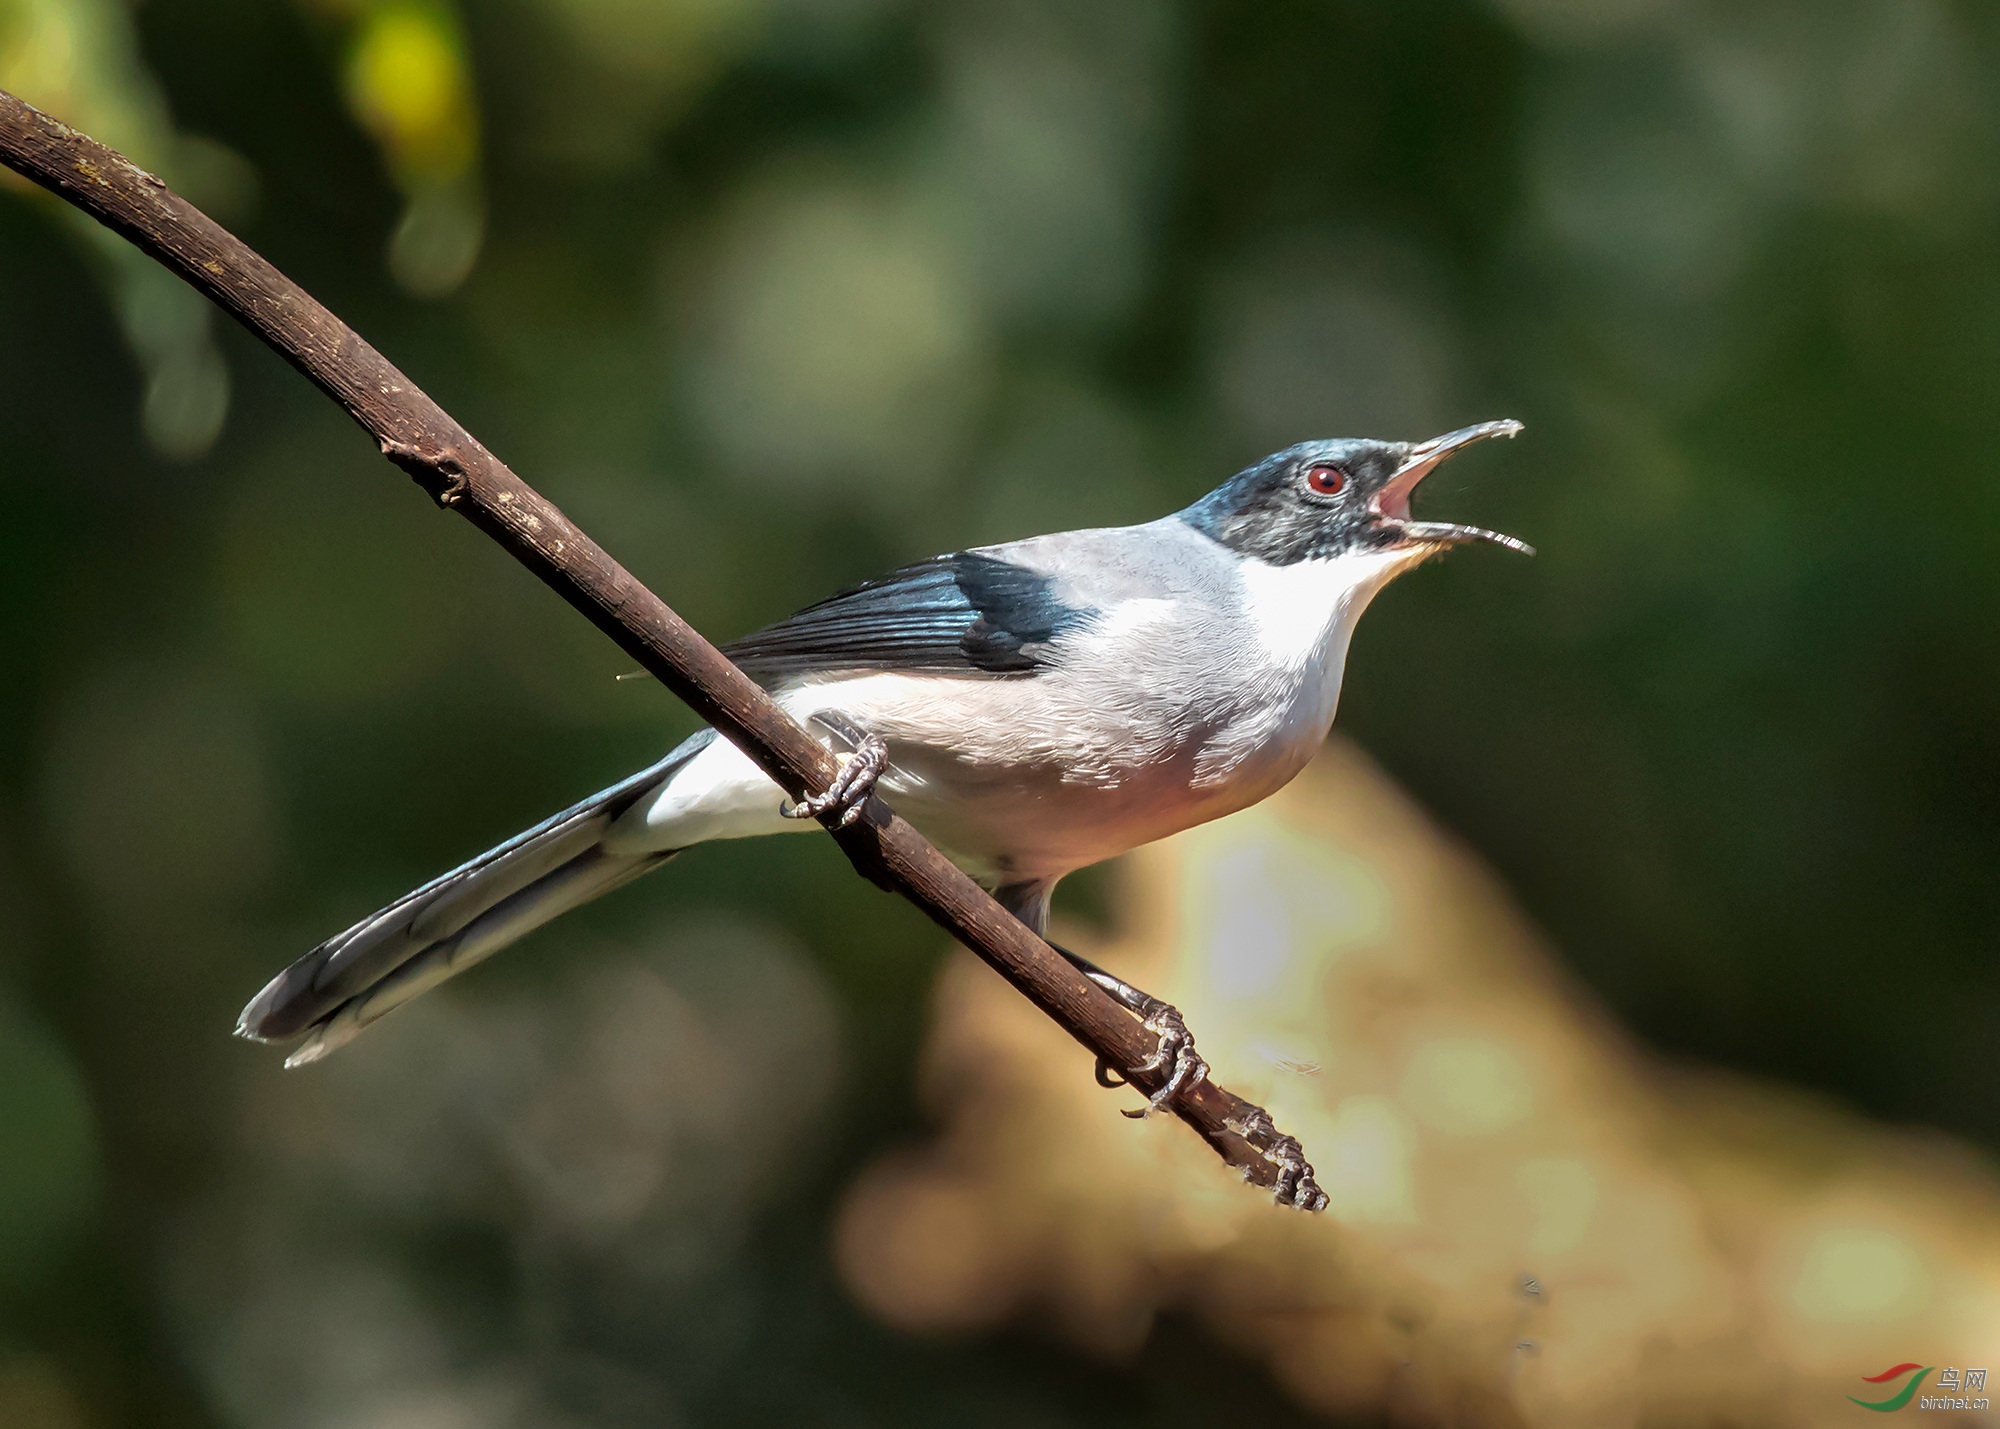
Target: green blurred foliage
{"x":772,"y":295}
{"x":49,"y":1189}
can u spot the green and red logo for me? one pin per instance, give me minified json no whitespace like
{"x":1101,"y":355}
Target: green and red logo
{"x":1900,"y":1397}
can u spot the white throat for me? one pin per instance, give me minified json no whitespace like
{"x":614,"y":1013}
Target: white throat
{"x":1306,"y":612}
{"x":1301,"y":618}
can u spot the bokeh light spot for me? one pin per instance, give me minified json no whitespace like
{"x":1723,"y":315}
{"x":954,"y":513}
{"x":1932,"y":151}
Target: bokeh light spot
{"x":1365,"y":1164}
{"x":1467,"y":1086}
{"x":1857,"y":1275}
{"x":406,"y":81}
{"x":841,"y":347}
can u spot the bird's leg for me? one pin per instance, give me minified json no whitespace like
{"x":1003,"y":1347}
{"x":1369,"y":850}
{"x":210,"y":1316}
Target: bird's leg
{"x":855,"y":782}
{"x":1162,"y":1019}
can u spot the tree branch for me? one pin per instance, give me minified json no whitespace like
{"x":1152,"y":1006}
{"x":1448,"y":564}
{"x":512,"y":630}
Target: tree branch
{"x":460,"y":474}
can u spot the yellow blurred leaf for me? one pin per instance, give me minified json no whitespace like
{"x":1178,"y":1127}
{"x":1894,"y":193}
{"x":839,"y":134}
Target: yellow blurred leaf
{"x":407,"y":81}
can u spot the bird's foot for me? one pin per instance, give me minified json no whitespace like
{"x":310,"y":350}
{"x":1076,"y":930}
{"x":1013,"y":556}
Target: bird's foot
{"x":1163,"y":1020}
{"x":1295,"y":1185}
{"x":851,"y":787}
{"x":1176,"y":1046}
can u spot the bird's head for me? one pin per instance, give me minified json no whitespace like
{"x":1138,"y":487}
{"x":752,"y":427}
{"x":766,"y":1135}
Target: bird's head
{"x":1348,"y":496}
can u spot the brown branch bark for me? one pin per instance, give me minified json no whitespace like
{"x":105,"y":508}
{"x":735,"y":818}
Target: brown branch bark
{"x":460,"y":474}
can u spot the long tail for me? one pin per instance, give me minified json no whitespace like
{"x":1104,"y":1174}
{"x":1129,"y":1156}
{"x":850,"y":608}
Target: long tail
{"x":351,"y":980}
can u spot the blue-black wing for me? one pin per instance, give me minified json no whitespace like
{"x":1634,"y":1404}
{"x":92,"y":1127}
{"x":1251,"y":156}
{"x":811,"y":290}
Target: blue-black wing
{"x":964,"y":614}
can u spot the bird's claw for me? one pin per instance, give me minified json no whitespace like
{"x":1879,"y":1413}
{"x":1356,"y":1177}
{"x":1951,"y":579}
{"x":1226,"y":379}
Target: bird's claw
{"x":1163,"y":1020}
{"x":1295,"y":1185}
{"x":851,"y":787}
{"x":1176,"y":1046}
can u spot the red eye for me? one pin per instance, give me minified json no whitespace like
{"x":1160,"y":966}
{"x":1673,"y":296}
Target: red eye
{"x":1326,"y":480}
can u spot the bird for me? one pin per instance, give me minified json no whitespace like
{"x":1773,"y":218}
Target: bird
{"x":1033,"y":708}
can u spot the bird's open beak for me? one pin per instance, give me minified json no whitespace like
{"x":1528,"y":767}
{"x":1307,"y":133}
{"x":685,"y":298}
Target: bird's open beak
{"x":1391,"y":504}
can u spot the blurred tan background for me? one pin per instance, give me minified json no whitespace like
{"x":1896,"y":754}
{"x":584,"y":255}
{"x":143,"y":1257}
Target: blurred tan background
{"x":773,"y":295}
{"x":1532,"y":1221}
